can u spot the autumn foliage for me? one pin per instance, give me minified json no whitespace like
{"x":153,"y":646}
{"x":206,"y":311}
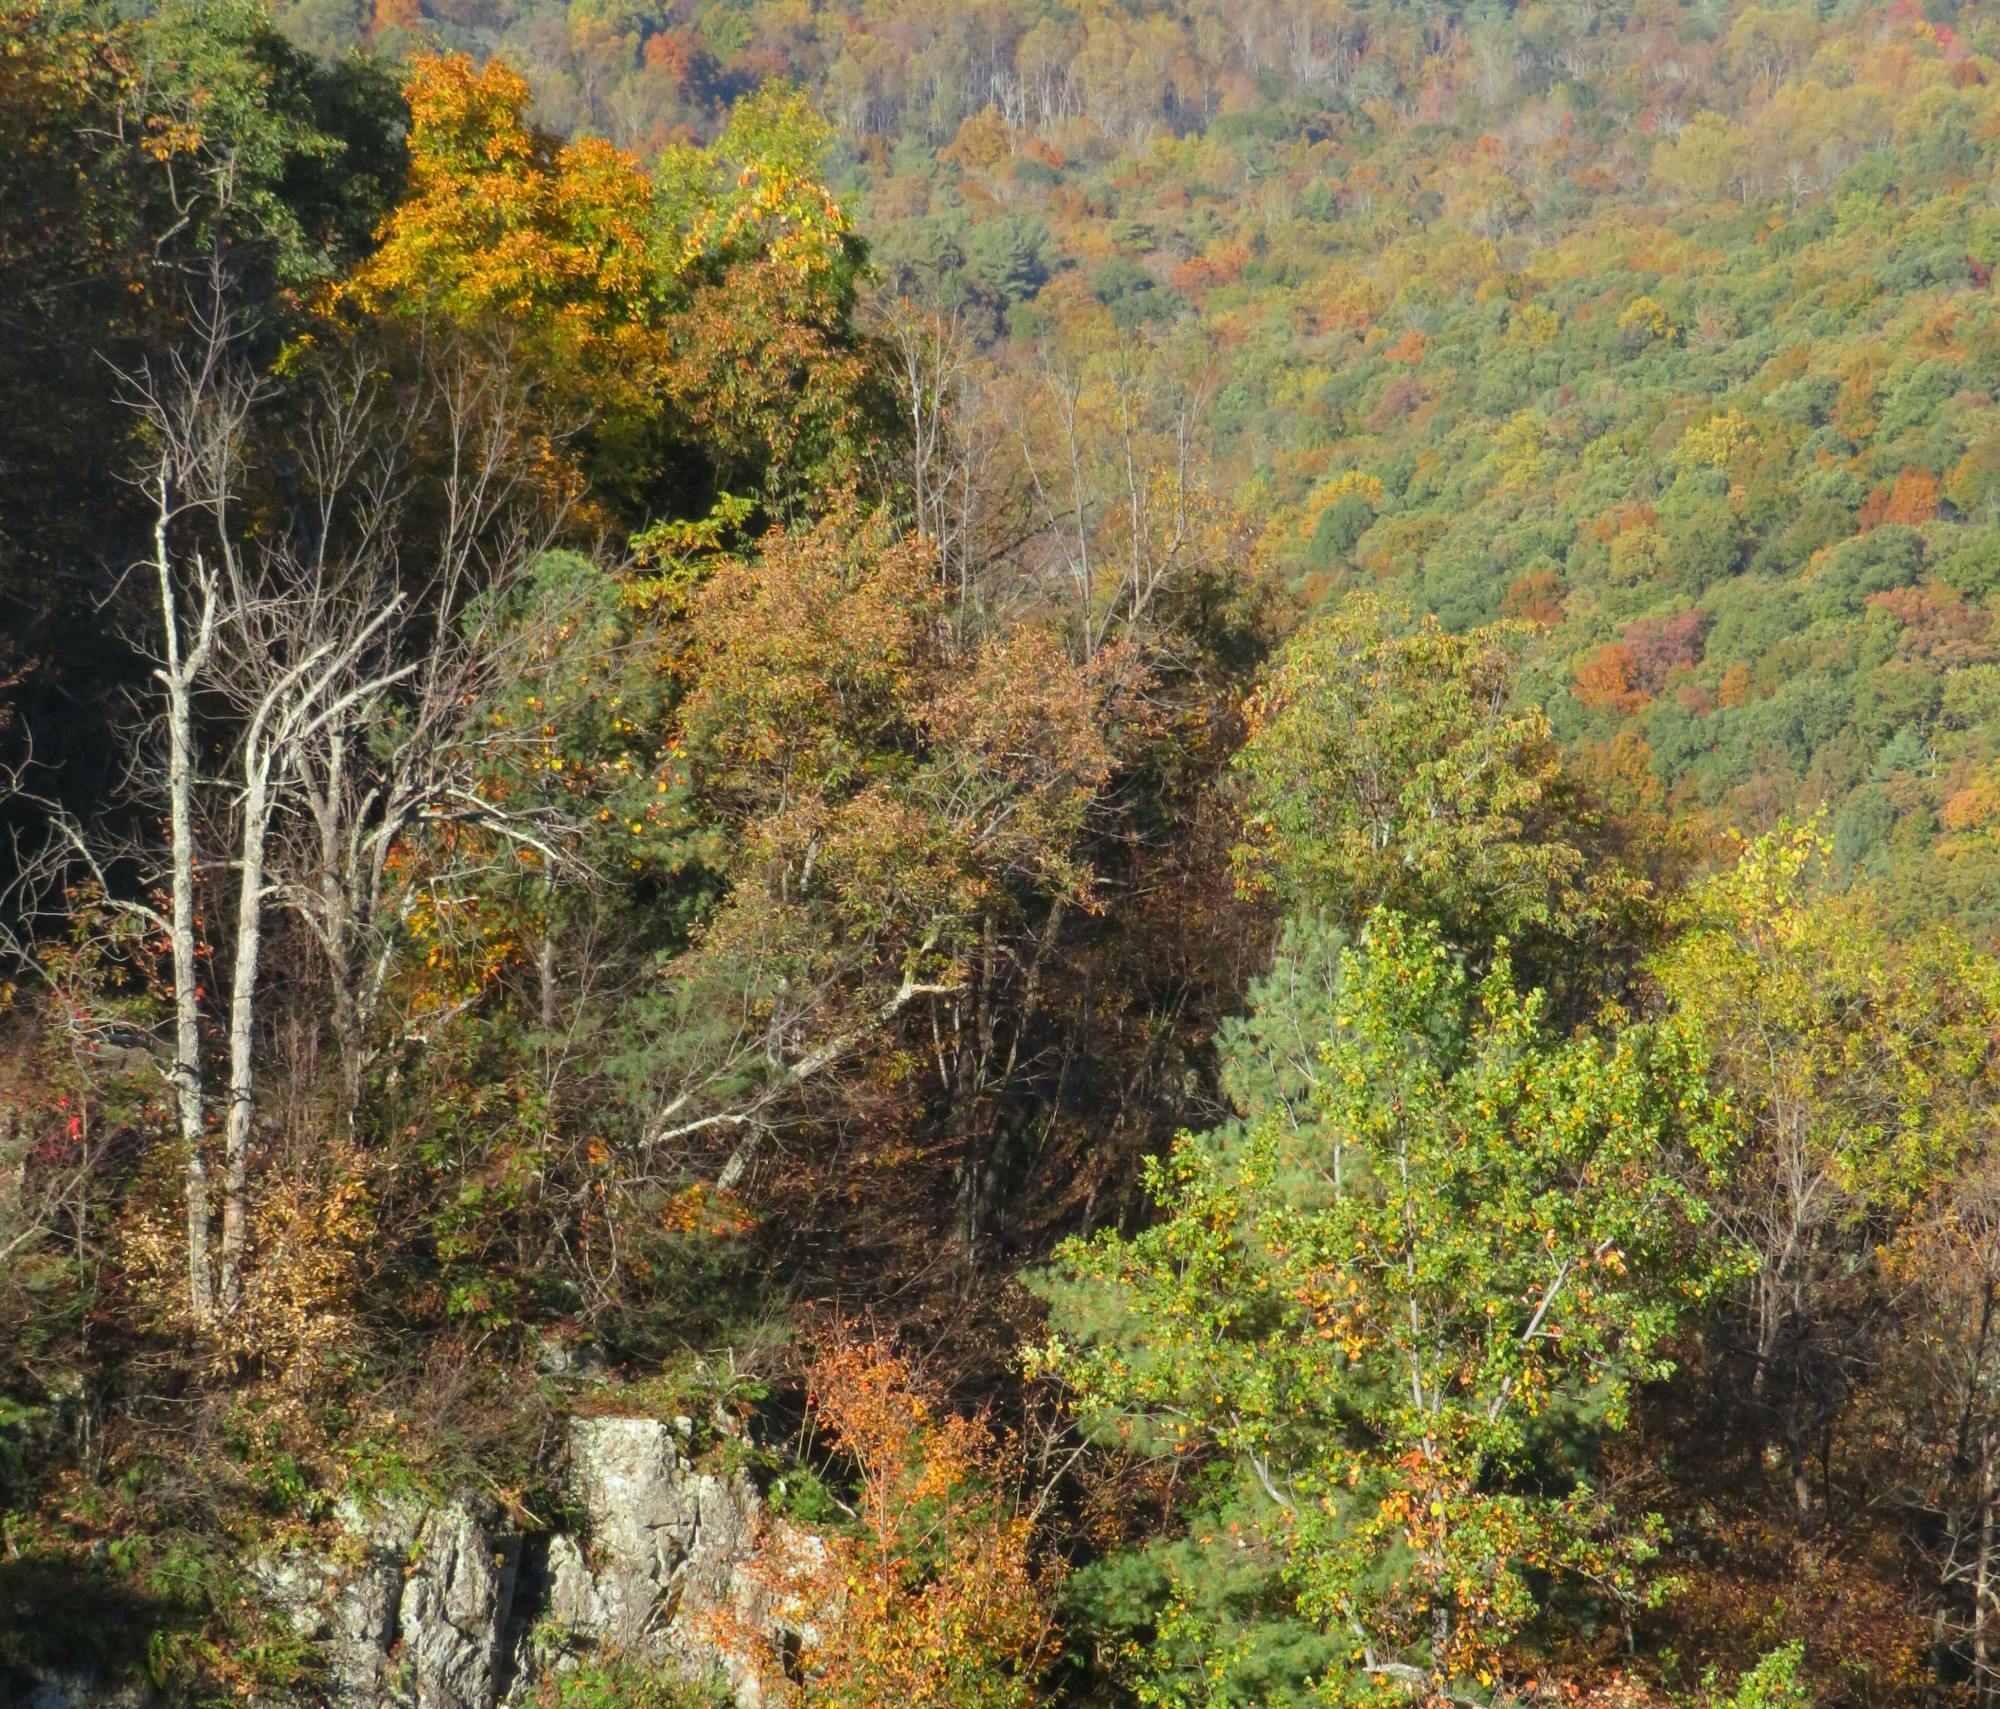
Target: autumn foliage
{"x":1274,"y":727}
{"x":934,"y":1598}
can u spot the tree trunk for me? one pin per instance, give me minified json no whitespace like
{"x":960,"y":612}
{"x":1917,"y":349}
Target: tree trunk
{"x":242,"y":1018}
{"x":1982,"y":1585}
{"x":186,"y":1075}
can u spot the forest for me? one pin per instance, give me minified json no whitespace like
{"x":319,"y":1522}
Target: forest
{"x":1177,"y":826}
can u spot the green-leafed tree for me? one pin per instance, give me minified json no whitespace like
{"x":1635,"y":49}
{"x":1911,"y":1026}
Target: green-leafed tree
{"x":1402,"y":1299}
{"x":1392,"y":764}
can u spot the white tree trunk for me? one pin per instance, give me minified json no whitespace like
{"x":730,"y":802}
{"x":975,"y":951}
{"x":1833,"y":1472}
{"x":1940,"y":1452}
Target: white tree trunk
{"x":177,"y":676}
{"x":242,"y":1025}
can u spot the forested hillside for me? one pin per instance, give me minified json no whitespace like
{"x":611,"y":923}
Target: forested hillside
{"x":1667,"y":328}
{"x":1186,"y":820}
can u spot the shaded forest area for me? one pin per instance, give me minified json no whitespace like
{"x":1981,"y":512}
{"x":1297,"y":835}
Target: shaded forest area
{"x":1195,"y":807}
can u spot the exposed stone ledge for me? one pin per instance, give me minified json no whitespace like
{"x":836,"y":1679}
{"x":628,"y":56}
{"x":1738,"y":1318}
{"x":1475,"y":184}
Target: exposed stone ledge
{"x":448,"y":1607}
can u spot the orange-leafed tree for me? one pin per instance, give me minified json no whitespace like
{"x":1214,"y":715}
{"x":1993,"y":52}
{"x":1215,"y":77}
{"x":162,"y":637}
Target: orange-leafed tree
{"x":938,"y":1601}
{"x":696,"y":315}
{"x":501,"y":224}
{"x":897,"y":808}
{"x":388,"y":15}
{"x":1604,"y":681}
{"x":1911,"y":500}
{"x":1536,"y":598}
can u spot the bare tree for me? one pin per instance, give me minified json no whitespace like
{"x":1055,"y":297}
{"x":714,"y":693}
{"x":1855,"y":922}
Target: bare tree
{"x":294,"y":659}
{"x":1112,"y":449}
{"x":303,"y":663}
{"x":958,"y":474}
{"x":196,"y":417}
{"x":411,"y":741}
{"x":347,"y":688}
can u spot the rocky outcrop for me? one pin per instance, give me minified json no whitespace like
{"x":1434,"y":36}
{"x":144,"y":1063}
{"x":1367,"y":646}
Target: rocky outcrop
{"x":447,"y":1606}
{"x":673,"y":1566}
{"x":664,"y":1550}
{"x":452,"y":1618}
{"x":411,"y":1607}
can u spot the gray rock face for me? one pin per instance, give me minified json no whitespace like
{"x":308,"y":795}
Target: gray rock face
{"x":667,"y":1540}
{"x":674,"y":1567}
{"x":360,"y":1625}
{"x":452,"y":1617}
{"x":446,"y":1607}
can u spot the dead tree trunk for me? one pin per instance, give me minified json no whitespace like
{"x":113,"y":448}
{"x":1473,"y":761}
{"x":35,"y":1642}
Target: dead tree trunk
{"x":182,"y":665}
